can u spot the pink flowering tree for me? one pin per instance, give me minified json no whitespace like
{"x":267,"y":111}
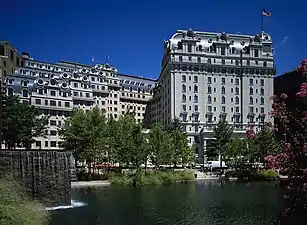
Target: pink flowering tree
{"x":292,"y":161}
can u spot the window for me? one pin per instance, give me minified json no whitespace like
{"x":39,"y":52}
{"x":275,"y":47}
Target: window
{"x":237,"y":91}
{"x":251,"y":100}
{"x":180,"y":58}
{"x":52,"y":93}
{"x":262,"y":82}
{"x":190,"y":58}
{"x":52,"y":143}
{"x":209,"y":80}
{"x":223,"y":100}
{"x":52,"y":103}
{"x":256,"y":53}
{"x":10,"y":91}
{"x":2,"y":50}
{"x":223,"y":81}
{"x":189,"y":48}
{"x":251,"y":81}
{"x":195,"y":79}
{"x":184,"y":78}
{"x":251,"y":91}
{"x":46,"y":143}
{"x":261,"y":101}
{"x":25,"y":93}
{"x":196,"y":108}
{"x":195,"y":88}
{"x":223,"y":109}
{"x":12,"y":55}
{"x":38,"y":144}
{"x":237,"y":81}
{"x":261,"y":110}
{"x":264,"y":64}
{"x":184,"y":98}
{"x":67,"y":104}
{"x":53,"y":132}
{"x":261,"y":91}
{"x":179,"y":45}
{"x":237,"y":100}
{"x":209,"y":99}
{"x":195,"y":99}
{"x":223,"y":51}
{"x":17,"y":60}
{"x":198,"y":60}
{"x":209,"y":90}
{"x":223,"y":90}
{"x":38,"y":102}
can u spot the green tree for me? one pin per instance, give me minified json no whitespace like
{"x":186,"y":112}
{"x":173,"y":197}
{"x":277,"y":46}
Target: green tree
{"x":84,"y":133}
{"x":21,"y":123}
{"x":74,"y":134}
{"x":222,"y":135}
{"x":236,"y":152}
{"x":160,"y":146}
{"x":182,"y":153}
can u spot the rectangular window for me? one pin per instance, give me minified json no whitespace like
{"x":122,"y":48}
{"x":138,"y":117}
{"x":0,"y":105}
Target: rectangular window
{"x":256,"y":53}
{"x":189,"y":48}
{"x":38,"y":101}
{"x":223,"y":51}
{"x":53,"y":132}
{"x":52,"y":93}
{"x":67,"y":104}
{"x":53,"y":143}
{"x":38,"y":144}
{"x":52,"y":103}
{"x":12,"y":55}
{"x":2,"y":51}
{"x":52,"y":122}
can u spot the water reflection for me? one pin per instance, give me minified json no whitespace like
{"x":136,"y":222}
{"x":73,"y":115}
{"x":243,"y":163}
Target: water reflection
{"x":202,"y":203}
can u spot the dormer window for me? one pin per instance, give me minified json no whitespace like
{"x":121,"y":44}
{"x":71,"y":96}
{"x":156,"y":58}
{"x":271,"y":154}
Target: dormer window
{"x":179,"y":45}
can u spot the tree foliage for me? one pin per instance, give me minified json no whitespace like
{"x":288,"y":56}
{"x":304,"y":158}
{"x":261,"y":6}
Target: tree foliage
{"x":21,"y":122}
{"x":222,"y":134}
{"x":95,"y":139}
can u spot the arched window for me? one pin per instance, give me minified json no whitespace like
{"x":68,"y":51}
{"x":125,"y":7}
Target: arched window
{"x":223,"y":90}
{"x":209,"y":89}
{"x":261,"y":91}
{"x":179,"y":45}
{"x":195,"y":99}
{"x":184,"y":88}
{"x":25,"y":93}
{"x":237,"y":100}
{"x":251,"y":100}
{"x":184,"y":98}
{"x":10,"y":91}
{"x":223,"y":99}
{"x":262,"y":101}
{"x":251,"y":91}
{"x":24,"y":83}
{"x":209,"y":99}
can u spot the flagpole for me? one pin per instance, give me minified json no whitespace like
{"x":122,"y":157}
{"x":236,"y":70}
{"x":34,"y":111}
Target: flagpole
{"x":262,"y":22}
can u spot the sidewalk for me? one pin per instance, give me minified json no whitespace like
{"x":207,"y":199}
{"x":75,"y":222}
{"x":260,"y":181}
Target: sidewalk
{"x":97,"y":183}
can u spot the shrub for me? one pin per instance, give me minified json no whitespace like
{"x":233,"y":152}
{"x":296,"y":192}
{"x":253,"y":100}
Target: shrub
{"x":17,"y":209}
{"x":268,"y":174}
{"x":154,"y":178}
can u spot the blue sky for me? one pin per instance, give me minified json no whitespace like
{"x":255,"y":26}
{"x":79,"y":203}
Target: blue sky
{"x":132,"y":32}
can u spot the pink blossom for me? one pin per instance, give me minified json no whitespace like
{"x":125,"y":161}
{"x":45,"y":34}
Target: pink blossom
{"x":301,"y":94}
{"x":283,"y":96}
{"x":250,"y":133}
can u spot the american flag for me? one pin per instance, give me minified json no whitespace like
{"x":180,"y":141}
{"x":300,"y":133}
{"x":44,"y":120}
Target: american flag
{"x":266,"y":13}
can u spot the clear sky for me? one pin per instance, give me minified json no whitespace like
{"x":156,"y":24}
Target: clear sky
{"x":131,"y":32}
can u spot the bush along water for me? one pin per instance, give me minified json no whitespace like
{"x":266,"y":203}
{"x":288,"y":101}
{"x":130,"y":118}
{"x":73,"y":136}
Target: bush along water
{"x":250,"y":175}
{"x":153,"y":178}
{"x":17,"y":209}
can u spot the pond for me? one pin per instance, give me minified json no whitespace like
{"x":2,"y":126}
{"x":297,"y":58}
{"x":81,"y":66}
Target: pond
{"x":197,"y":203}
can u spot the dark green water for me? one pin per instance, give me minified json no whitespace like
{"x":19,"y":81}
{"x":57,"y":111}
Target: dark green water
{"x":201,"y":203}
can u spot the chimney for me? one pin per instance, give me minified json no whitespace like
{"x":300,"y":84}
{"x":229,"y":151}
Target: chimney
{"x":25,"y":55}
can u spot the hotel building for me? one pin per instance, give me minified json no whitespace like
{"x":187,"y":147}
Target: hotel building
{"x":210,"y":76}
{"x":58,"y":88}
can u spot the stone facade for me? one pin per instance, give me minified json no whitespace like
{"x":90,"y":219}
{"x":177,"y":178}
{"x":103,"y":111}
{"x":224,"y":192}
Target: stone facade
{"x":201,"y":82}
{"x":58,"y":88}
